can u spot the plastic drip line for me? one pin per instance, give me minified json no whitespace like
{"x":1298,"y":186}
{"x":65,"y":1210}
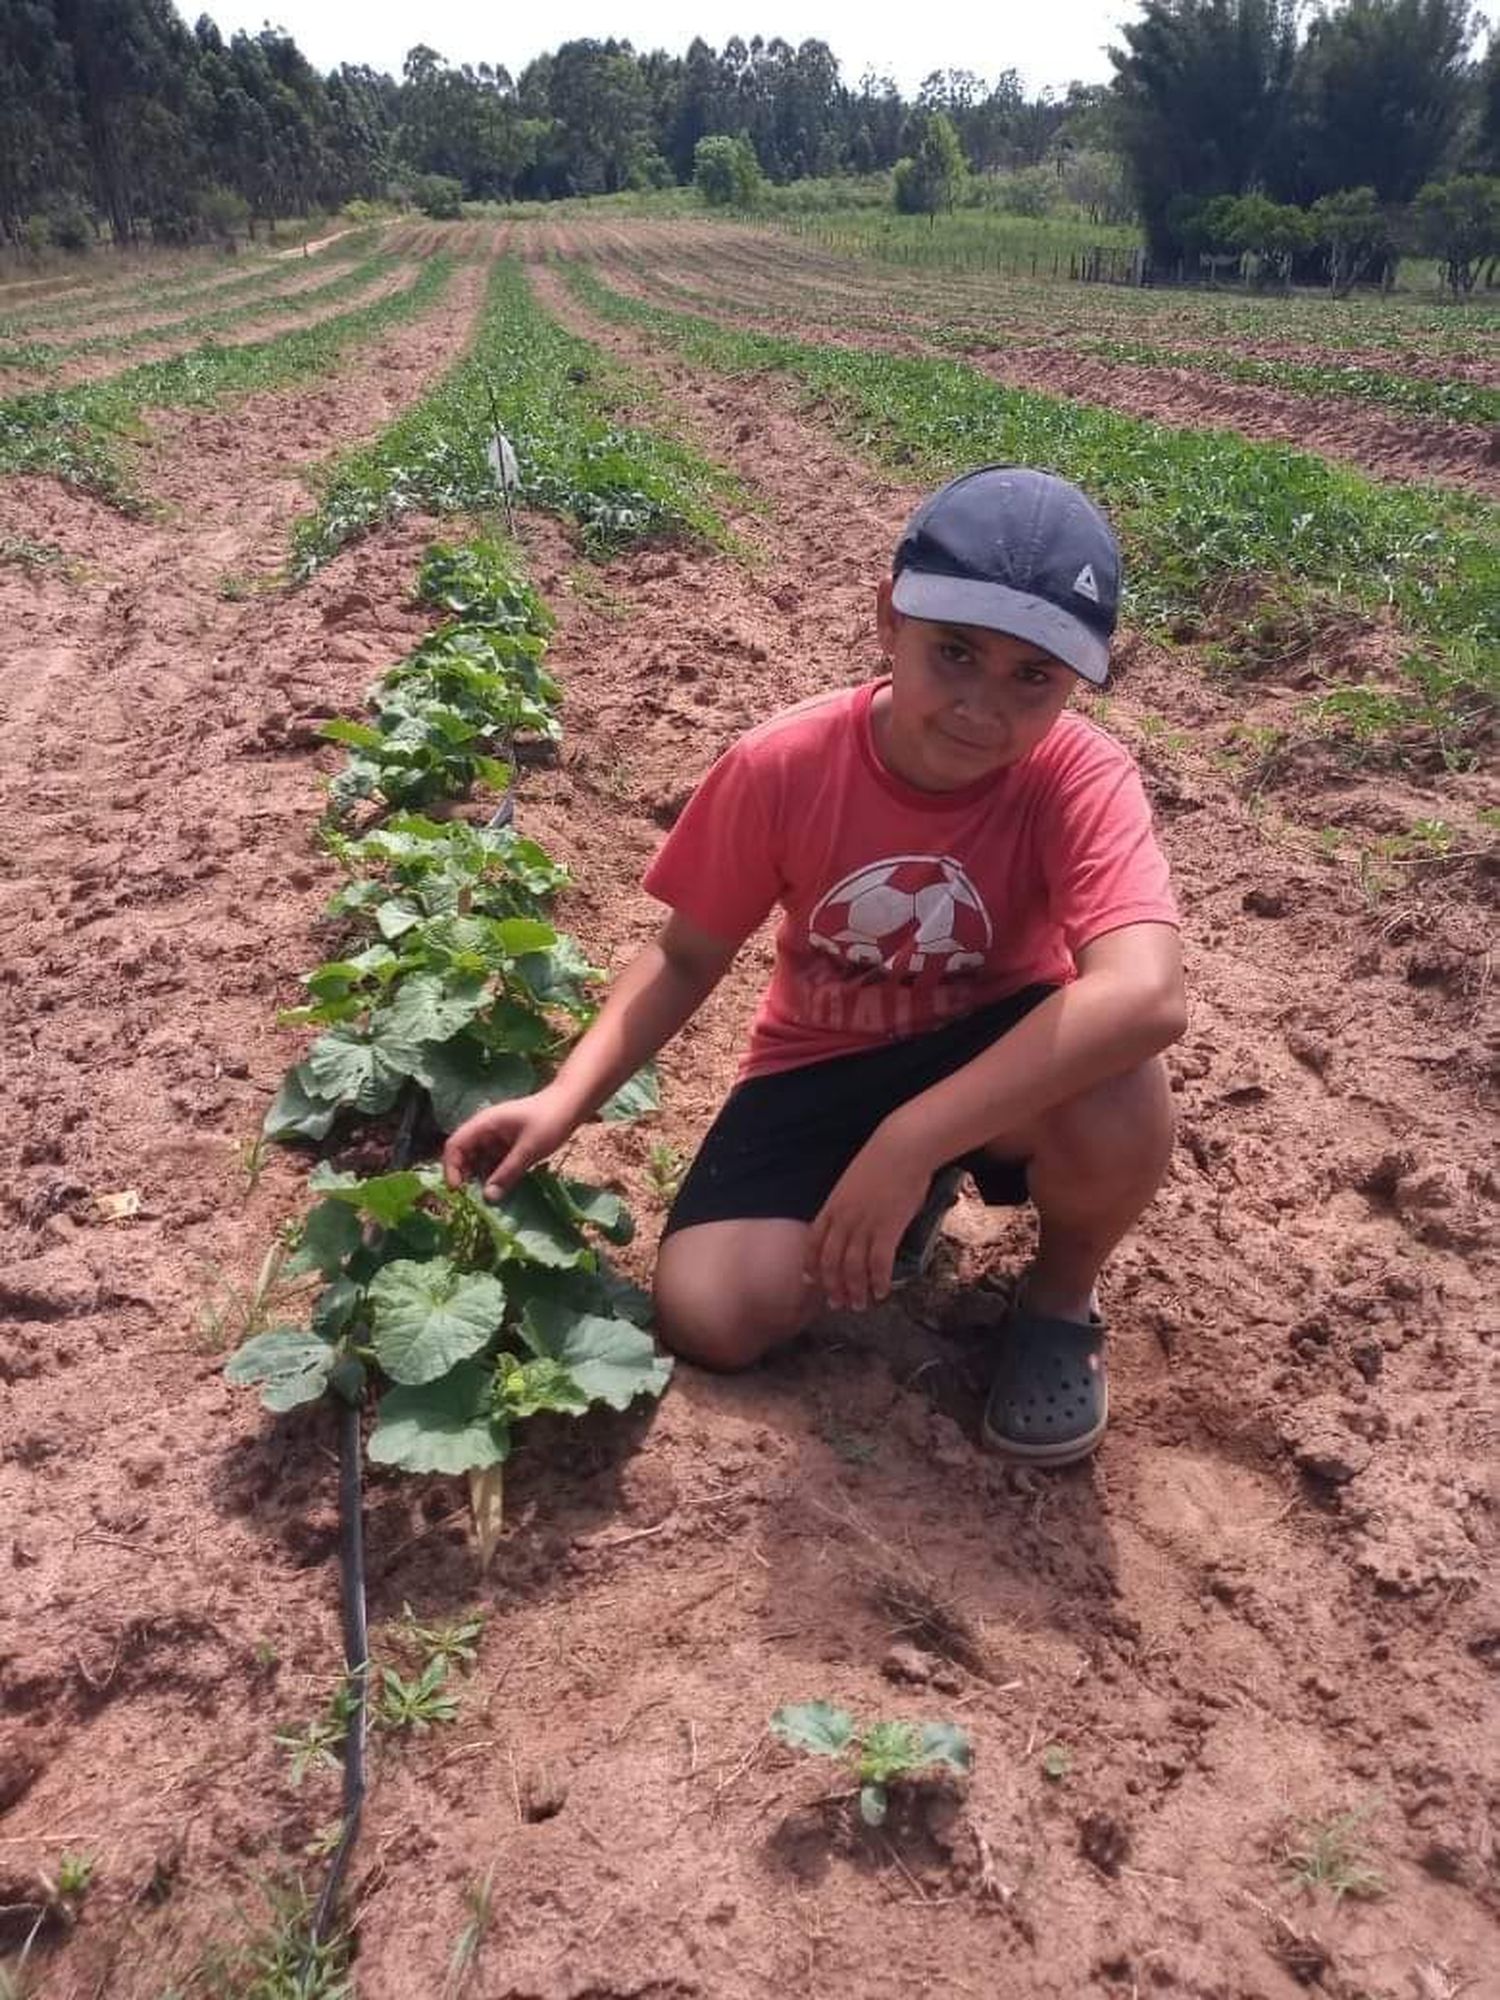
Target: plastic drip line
{"x":352,"y":1599}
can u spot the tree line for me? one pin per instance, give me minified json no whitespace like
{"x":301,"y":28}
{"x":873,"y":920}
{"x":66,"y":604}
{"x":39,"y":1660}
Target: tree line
{"x":117,"y":114}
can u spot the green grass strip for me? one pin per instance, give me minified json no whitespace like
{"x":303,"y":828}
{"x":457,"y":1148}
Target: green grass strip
{"x":76,"y":435}
{"x":121,"y":294}
{"x":1416,"y":395}
{"x":1195,"y":509}
{"x":290,"y":304}
{"x":557,"y":400}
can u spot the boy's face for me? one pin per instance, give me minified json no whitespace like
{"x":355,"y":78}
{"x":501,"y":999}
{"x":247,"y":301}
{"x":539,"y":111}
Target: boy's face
{"x":964,"y":700}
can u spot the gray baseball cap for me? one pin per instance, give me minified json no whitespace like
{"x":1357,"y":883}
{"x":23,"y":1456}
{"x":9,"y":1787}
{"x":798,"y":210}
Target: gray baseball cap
{"x":1019,"y":552}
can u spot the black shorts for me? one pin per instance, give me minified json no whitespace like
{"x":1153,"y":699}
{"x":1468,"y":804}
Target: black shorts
{"x":781,"y":1142}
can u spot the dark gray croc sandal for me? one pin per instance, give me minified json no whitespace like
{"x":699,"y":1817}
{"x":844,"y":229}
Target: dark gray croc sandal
{"x":1049,"y":1402}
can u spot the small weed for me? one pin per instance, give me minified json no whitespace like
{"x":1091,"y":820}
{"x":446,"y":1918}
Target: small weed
{"x":1331,"y":1854}
{"x":851,"y":1446}
{"x":265,"y":1654}
{"x":458,"y":1641}
{"x":589,"y":587}
{"x":252,"y":1155}
{"x":1056,"y":1762}
{"x":233,"y":1312}
{"x":318,"y":1744}
{"x":74,"y":1874}
{"x":35,"y":557}
{"x":1330,"y":840}
{"x":277,"y":1959}
{"x":666,"y":1167}
{"x":480,"y":1898}
{"x":415,"y":1705}
{"x":236,"y":589}
{"x":879,"y":1756}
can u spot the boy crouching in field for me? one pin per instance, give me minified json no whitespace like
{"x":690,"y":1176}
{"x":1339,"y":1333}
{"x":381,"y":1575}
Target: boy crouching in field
{"x":977,"y":969}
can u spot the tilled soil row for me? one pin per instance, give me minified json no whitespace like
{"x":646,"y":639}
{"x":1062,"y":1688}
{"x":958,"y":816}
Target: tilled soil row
{"x":157,"y":800}
{"x":1380,"y":444}
{"x":1046,"y":312}
{"x":1263,"y":1602}
{"x":257,"y":324}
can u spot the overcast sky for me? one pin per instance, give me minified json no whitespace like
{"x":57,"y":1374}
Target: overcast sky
{"x":1050,"y":44}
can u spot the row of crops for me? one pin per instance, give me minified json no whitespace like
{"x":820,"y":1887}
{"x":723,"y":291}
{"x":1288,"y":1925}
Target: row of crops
{"x":284,"y":295}
{"x":450,"y":987}
{"x":989,"y":324}
{"x":83,"y":435}
{"x":124,"y":297}
{"x":1204,"y":515}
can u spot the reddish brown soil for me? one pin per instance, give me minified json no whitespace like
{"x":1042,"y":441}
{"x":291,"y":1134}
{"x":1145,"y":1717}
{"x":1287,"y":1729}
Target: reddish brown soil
{"x":1377,"y":442}
{"x":1270,"y":1598}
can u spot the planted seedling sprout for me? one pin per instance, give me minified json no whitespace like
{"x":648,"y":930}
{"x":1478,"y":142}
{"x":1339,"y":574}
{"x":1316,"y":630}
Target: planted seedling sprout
{"x":879,"y":1755}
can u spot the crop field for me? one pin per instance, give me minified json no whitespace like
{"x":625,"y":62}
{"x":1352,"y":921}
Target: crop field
{"x":327,"y":783}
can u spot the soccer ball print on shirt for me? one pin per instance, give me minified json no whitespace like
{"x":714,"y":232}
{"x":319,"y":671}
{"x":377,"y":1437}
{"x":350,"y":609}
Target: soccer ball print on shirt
{"x":902,"y":917}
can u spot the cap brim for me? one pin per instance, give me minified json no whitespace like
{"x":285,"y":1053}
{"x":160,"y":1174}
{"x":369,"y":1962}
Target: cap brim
{"x":966,"y":600}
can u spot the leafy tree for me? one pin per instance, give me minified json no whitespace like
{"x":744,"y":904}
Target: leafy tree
{"x":726,"y":172}
{"x":1458,"y":222}
{"x":1201,"y":95}
{"x":1381,"y":92}
{"x":1489,"y":109}
{"x":933,"y":176}
{"x":1355,"y":230}
{"x":1271,"y":231}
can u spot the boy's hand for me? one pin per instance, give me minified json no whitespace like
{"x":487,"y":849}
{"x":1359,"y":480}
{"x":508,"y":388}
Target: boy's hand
{"x":503,"y":1140}
{"x":856,"y":1233}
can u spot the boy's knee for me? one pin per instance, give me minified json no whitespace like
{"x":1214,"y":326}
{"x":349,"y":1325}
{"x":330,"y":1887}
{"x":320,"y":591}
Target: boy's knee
{"x":1128,"y":1121}
{"x":720,"y":1317}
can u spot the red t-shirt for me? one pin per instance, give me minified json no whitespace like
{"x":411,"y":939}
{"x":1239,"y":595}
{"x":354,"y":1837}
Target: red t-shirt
{"x":904,"y":909}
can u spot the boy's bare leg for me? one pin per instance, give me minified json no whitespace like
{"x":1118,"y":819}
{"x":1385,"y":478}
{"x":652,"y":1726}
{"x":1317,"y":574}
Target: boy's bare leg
{"x":728,"y":1292}
{"x":1092,"y":1169}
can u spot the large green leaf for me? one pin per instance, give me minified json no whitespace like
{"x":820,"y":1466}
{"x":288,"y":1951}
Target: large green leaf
{"x":364,"y":1069}
{"x":816,"y":1726}
{"x":292,"y":1365}
{"x":424,"y":1317}
{"x":599,"y":1207}
{"x":329,"y":1235}
{"x":428,"y":1009}
{"x":464,"y":1076}
{"x":443,"y":1426}
{"x":527,"y":1227}
{"x":637,"y":1097}
{"x":297,"y":1112}
{"x":611,"y":1361}
{"x":385,"y":1198}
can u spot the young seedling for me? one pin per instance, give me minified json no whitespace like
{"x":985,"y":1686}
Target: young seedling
{"x":480,"y":1898}
{"x":236,"y":1312}
{"x":74,"y":1874}
{"x":442,"y":1642}
{"x":418,"y":1704}
{"x":666,"y":1166}
{"x":883,"y":1754}
{"x":1331,"y":1854}
{"x":318,"y":1744}
{"x":1056,"y":1762}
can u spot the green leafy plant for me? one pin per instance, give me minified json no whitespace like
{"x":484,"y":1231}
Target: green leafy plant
{"x":1332,"y":1855}
{"x":74,"y":1874}
{"x":415,"y":1705}
{"x":666,"y":1166}
{"x":480,"y":1899}
{"x":457,"y":1641}
{"x":879,"y":1755}
{"x":557,"y":401}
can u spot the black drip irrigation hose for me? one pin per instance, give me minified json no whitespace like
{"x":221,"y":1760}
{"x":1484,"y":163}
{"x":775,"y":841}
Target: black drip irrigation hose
{"x":352,"y":1606}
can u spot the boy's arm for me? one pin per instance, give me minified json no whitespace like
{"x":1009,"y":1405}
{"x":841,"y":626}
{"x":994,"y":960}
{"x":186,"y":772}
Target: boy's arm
{"x":1127,"y":1004}
{"x":662,"y":986}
